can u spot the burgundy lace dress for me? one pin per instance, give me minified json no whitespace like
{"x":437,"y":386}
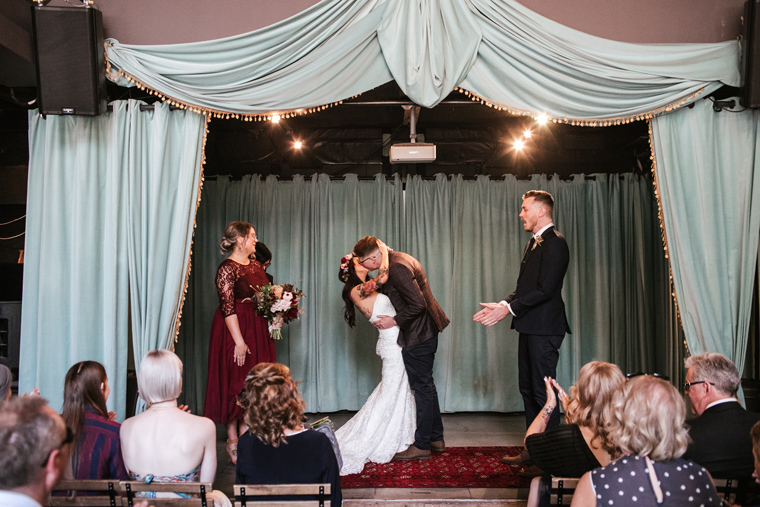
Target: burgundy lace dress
{"x":235,"y":282}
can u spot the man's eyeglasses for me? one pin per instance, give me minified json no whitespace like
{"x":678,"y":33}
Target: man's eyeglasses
{"x":371,"y":257}
{"x":689,"y":384}
{"x":69,"y":439}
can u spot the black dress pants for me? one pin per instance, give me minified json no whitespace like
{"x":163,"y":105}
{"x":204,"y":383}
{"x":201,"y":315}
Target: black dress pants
{"x":537,"y":357}
{"x":418,"y":360}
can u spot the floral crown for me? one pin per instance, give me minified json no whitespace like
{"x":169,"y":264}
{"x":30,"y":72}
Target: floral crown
{"x":344,"y":262}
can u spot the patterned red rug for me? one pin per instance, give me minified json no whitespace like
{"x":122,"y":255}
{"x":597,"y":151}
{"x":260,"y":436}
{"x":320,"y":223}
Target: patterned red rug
{"x":457,"y":467}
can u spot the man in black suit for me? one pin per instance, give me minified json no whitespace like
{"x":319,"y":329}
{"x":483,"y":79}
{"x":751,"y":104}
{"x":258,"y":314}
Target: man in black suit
{"x":720,"y":433}
{"x":536,"y":304}
{"x":420,"y":319}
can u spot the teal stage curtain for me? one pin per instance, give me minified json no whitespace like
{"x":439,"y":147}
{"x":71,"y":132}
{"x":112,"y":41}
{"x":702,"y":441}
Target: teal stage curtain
{"x":708,"y":170}
{"x":110,"y":215}
{"x":469,"y":238}
{"x":496,"y":49}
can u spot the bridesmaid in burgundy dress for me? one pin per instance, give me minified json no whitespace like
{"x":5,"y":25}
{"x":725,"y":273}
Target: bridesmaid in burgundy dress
{"x":239,"y":336}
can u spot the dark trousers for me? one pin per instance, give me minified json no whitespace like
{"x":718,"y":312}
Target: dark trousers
{"x":418,"y":360}
{"x":537,"y":357}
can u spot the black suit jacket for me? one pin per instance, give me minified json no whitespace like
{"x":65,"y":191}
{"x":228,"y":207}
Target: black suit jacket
{"x":537,"y":300}
{"x":418,"y":314}
{"x":721,"y":441}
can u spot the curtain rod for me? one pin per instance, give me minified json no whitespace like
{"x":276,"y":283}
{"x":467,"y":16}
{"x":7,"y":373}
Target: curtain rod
{"x":213,"y":177}
{"x":149,"y":107}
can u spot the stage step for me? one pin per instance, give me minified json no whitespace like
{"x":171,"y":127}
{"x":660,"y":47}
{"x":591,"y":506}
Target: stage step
{"x":441,"y":497}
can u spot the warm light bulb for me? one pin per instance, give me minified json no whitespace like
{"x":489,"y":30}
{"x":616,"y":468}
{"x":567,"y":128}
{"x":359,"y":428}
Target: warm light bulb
{"x":519,"y":144}
{"x":275,"y":118}
{"x":297,"y":145}
{"x":527,"y":134}
{"x":542,"y":119}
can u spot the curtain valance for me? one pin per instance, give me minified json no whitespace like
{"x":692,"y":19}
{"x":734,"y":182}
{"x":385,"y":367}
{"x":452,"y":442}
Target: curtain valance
{"x":498,"y":50}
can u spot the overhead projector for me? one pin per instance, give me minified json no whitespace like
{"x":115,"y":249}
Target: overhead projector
{"x":412,"y":153}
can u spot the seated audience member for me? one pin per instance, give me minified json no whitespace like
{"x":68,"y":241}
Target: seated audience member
{"x":572,"y":449}
{"x":720,"y":433}
{"x":34,"y":451}
{"x":165,"y":443}
{"x":648,"y":427}
{"x":264,"y":256}
{"x":277,"y":449}
{"x":96,"y":453}
{"x":6,"y":379}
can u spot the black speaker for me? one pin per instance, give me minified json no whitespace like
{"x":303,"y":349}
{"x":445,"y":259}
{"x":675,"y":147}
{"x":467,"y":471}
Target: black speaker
{"x":68,"y":52}
{"x":750,"y":92}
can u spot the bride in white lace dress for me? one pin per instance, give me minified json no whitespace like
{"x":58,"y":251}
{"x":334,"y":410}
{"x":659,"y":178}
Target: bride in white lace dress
{"x":386,"y":423}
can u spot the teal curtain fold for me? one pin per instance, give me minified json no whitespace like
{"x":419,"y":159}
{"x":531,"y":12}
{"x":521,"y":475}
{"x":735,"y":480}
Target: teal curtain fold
{"x":708,"y":167}
{"x":468,"y":237}
{"x":110,"y":214}
{"x":163,"y":169}
{"x":497,"y":49}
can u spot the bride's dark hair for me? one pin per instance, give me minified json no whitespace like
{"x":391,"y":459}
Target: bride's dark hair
{"x":352,"y":281}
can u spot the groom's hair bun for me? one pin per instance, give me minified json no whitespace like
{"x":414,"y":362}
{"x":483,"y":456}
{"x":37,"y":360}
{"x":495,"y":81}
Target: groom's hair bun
{"x":365,"y":246}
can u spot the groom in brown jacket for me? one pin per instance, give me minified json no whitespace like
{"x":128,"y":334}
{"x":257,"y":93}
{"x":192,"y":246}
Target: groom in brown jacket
{"x":420,"y":319}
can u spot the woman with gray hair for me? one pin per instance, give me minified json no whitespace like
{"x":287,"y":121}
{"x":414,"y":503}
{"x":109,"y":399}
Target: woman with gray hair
{"x":165,"y":443}
{"x":649,"y":429}
{"x":6,"y":379}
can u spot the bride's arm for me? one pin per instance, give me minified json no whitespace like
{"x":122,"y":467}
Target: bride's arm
{"x":374,"y":285}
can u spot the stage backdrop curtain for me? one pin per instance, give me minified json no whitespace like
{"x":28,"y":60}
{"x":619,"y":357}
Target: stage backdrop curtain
{"x":102,"y":197}
{"x":468,"y":237}
{"x":497,"y":49}
{"x":707,"y":166}
{"x":308,"y":225}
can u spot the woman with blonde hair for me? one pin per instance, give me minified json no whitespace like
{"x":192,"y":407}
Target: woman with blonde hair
{"x":239,"y":336}
{"x":649,"y":416}
{"x":277,"y":449}
{"x":572,"y":449}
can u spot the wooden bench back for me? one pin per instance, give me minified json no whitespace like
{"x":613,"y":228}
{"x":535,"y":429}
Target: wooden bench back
{"x":315,"y":495}
{"x":102,"y":493}
{"x":163,"y":492}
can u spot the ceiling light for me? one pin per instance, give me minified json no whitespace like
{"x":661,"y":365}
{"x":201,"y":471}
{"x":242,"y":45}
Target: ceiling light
{"x":519,"y":144}
{"x":527,"y":134}
{"x":542,"y":119}
{"x":297,"y":145}
{"x":275,"y":118}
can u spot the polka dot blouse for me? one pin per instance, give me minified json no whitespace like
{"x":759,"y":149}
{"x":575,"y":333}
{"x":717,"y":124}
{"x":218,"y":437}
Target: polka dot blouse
{"x":626,"y":482}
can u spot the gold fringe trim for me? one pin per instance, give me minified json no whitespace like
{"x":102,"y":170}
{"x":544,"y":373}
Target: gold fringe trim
{"x":192,"y":239}
{"x":216,"y":113}
{"x":582,"y":122}
{"x":664,"y":236}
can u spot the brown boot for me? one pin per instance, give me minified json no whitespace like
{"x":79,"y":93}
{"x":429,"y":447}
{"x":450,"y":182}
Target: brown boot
{"x":438,"y":446}
{"x":412,"y":453}
{"x":521,"y":459}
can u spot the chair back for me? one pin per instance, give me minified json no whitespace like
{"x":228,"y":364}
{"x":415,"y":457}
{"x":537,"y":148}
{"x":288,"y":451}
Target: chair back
{"x":167,"y":494}
{"x":282,"y":495}
{"x":72,"y":493}
{"x":562,"y":489}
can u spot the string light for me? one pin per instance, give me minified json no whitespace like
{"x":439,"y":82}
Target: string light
{"x":519,"y":144}
{"x":542,"y":119}
{"x":275,"y":118}
{"x":297,"y":145}
{"x":527,"y":134}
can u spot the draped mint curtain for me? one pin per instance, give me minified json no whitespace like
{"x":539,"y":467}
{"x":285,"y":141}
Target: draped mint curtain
{"x":496,"y":49}
{"x":708,"y":170}
{"x":109,"y":218}
{"x":469,"y":238}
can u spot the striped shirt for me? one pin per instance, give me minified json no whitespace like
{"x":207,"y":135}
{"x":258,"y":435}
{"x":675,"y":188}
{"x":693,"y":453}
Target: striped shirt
{"x":98,"y":453}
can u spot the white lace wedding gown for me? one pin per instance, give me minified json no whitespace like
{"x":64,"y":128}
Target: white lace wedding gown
{"x":386,"y":423}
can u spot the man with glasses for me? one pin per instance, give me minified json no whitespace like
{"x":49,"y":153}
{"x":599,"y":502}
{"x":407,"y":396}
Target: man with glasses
{"x":34,"y":451}
{"x":720,"y":433}
{"x":420,"y":319}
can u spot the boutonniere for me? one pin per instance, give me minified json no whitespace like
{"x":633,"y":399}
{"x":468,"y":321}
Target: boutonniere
{"x":538,"y":242}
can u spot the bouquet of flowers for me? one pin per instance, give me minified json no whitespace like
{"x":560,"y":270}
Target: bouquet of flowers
{"x":279,"y":305}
